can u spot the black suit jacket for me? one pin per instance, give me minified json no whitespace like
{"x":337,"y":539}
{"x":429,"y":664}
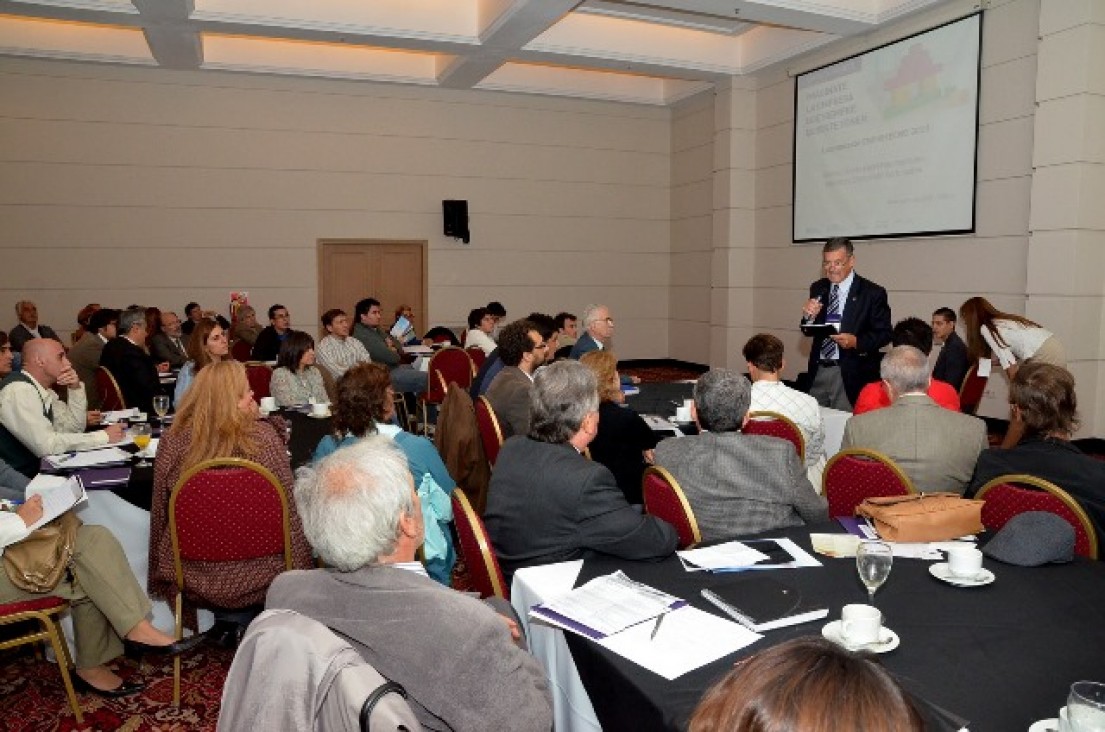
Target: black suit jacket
{"x":867,"y":317}
{"x":19,"y":335}
{"x":135,"y":371}
{"x":163,"y":349}
{"x":953,"y":363}
{"x":267,"y":345}
{"x":619,"y":445}
{"x":547,"y":503}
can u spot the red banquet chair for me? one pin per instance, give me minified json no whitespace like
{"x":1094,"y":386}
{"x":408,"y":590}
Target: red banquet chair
{"x":491,"y":434}
{"x":475,"y":546}
{"x":259,"y":377}
{"x":41,"y":610}
{"x":970,"y":391}
{"x":855,"y":474}
{"x":1008,"y":495}
{"x":665,"y":499}
{"x":450,"y":365}
{"x":225,"y":510}
{"x":774,"y":424}
{"x":110,"y":394}
{"x":240,"y":350}
{"x":478,"y":357}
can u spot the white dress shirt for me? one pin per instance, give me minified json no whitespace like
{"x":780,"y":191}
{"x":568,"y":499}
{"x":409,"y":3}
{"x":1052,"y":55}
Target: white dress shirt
{"x":21,"y":410}
{"x":803,"y":410}
{"x":1021,"y":341}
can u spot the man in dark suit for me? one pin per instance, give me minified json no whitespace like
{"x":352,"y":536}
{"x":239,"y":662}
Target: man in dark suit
{"x":269,"y":340}
{"x":953,"y":363}
{"x":522,"y":350}
{"x":841,"y":364}
{"x":598,"y":329}
{"x":126,"y":358}
{"x":547,"y":502}
{"x":28,"y":328}
{"x":169,"y":345}
{"x":737,"y":484}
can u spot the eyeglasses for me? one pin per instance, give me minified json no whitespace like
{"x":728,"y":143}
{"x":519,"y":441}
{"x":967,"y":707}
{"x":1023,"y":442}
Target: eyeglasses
{"x":609,"y":321}
{"x":542,"y":344}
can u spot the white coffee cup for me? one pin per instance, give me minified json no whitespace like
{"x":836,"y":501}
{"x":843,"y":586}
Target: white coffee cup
{"x":268,"y":404}
{"x":320,"y":409}
{"x":964,"y":561}
{"x":682,"y":414}
{"x":860,"y":624}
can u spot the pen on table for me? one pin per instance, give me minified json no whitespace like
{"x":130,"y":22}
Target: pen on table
{"x":67,"y":456}
{"x":659,"y":619}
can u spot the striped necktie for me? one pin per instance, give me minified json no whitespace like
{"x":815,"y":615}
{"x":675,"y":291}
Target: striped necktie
{"x":829,"y":350}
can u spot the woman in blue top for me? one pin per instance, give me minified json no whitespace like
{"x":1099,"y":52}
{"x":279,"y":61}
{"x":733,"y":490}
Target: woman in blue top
{"x":365,"y":406}
{"x":207,"y":344}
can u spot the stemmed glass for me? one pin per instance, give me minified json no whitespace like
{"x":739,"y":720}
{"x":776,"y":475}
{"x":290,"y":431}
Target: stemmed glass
{"x":873,"y":562}
{"x":1086,"y":707}
{"x":141,"y":432}
{"x":161,"y":406}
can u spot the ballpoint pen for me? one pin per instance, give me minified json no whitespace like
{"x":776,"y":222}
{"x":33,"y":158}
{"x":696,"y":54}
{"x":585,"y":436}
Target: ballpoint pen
{"x":659,"y":619}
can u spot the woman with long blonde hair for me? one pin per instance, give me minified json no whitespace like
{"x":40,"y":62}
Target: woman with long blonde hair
{"x":218,"y":418}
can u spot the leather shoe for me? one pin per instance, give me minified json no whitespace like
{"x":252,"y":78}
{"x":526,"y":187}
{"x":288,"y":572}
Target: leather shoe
{"x":135,"y":649}
{"x":124,"y":689}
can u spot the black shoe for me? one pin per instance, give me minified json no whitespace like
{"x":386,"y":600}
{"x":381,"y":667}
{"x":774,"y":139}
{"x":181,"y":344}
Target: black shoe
{"x":134,"y":649}
{"x":124,"y":689}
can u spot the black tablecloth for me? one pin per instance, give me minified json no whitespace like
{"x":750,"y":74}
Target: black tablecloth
{"x":1002,"y":656}
{"x":659,"y":398}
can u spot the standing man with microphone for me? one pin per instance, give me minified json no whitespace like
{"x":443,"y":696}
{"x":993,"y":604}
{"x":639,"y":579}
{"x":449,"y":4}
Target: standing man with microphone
{"x":842,"y":364}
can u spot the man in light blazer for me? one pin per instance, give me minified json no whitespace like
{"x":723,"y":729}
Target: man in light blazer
{"x":737,"y":484}
{"x":936,"y":447}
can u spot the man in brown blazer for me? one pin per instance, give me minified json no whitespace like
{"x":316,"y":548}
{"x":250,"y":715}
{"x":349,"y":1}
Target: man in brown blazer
{"x":522,"y":350}
{"x":85,"y":354}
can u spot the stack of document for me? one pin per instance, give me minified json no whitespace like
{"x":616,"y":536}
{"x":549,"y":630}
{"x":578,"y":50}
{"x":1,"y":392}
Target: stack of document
{"x":737,"y":556}
{"x":606,"y":605}
{"x":58,"y":496}
{"x":121,"y":414}
{"x":88,"y":458}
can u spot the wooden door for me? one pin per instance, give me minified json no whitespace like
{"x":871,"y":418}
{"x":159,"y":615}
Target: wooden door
{"x":393,"y":272}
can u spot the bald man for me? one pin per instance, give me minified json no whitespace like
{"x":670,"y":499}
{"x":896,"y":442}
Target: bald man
{"x":33,"y":421}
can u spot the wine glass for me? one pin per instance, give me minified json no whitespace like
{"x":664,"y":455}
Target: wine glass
{"x":873,"y":562}
{"x":161,"y":406}
{"x":141,"y":433}
{"x":1086,"y":707}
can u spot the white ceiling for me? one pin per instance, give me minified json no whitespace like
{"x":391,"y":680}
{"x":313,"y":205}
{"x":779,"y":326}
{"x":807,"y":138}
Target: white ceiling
{"x":643,"y":51}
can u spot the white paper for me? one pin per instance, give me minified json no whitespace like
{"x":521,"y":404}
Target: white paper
{"x":660,"y":424}
{"x":401,"y":328}
{"x":688,"y":638}
{"x":835,"y":545}
{"x":608,"y":604}
{"x":418,"y":350}
{"x":56,"y":498}
{"x":721,"y":556}
{"x":119,"y":414}
{"x":88,"y":458}
{"x":984,"y":367}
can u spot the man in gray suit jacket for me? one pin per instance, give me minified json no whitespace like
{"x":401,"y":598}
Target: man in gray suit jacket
{"x":168,"y":346}
{"x":85,"y":354}
{"x":737,"y":484}
{"x":452,"y":653}
{"x":937,"y":448}
{"x":547,"y":503}
{"x":522,"y":350}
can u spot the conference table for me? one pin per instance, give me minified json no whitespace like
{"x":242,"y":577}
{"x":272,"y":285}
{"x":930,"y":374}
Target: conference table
{"x":999,"y":656}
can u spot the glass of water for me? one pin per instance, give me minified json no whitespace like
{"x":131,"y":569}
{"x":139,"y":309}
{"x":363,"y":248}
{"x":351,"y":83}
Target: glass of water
{"x":873,"y":562}
{"x":1086,"y":707}
{"x":161,"y":405}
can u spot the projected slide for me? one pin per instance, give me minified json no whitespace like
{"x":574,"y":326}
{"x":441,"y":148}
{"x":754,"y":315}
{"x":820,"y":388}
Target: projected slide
{"x":884,"y":142}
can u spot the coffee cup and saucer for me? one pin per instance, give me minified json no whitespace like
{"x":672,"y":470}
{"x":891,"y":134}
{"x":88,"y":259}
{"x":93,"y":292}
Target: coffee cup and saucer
{"x":860,"y":628}
{"x":319,"y":410}
{"x":1055,"y":724}
{"x":963,"y":568}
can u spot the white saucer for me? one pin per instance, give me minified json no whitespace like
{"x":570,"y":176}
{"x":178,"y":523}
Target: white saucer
{"x":888,"y":639}
{"x":1045,"y":725}
{"x":312,"y":415}
{"x":941,"y":572}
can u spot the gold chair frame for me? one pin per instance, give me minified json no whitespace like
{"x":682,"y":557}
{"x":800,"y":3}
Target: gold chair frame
{"x":49,"y":632}
{"x":1047,"y":486}
{"x":494,"y":419}
{"x":114,"y":385}
{"x":872,"y":455}
{"x":696,"y":534}
{"x":766,"y":414}
{"x":486,"y":554}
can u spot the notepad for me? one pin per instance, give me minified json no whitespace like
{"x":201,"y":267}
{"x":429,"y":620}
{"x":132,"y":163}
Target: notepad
{"x":760,"y":603}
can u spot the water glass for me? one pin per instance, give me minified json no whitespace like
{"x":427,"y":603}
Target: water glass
{"x":1086,"y":707}
{"x":873,"y":562}
{"x":161,"y":405}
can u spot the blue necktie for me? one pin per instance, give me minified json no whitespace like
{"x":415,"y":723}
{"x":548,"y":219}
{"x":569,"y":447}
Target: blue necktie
{"x":829,"y":350}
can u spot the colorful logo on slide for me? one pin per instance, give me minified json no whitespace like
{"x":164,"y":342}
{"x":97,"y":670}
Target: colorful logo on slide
{"x":917,"y":84}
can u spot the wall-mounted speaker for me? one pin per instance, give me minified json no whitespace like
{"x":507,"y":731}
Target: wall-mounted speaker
{"x":455,"y":217}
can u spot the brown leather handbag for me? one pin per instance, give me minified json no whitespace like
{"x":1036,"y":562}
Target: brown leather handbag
{"x":38,"y":563}
{"x":923,"y":516}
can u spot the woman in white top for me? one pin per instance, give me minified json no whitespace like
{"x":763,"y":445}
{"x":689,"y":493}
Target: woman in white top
{"x":480,"y":325}
{"x":296,"y":379}
{"x":207,"y":344}
{"x":1011,"y":338}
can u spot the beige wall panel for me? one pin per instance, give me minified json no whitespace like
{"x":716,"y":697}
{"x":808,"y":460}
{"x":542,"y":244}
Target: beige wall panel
{"x":774,"y":185}
{"x":1068,"y":196}
{"x":1076,"y":320}
{"x":775,"y":104}
{"x":690,"y":130}
{"x":735,"y":188}
{"x":693,"y":198}
{"x":689,"y":268}
{"x":1071,"y":62}
{"x":690,"y":341}
{"x":1058,"y":15}
{"x":734,"y":306}
{"x":1008,"y":90}
{"x":1005,"y":149}
{"x":775,"y":145}
{"x":691,"y":302}
{"x":734,"y":227}
{"x":1065,"y":132}
{"x":736,"y":104}
{"x":508,"y":232}
{"x":692,"y":234}
{"x":489,"y":269}
{"x":778,"y":309}
{"x":774,"y":226}
{"x":693,"y":164}
{"x":731,"y":357}
{"x":1009,"y":31}
{"x":1067,"y":262}
{"x":735,"y":267}
{"x":1002,"y":207}
{"x":736,"y":150}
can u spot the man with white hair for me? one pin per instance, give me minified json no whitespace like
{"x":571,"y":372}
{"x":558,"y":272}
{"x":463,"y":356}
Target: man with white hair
{"x":598,"y":329}
{"x":547,"y":502}
{"x":936,"y":447}
{"x":28,"y":328}
{"x":452,"y":653}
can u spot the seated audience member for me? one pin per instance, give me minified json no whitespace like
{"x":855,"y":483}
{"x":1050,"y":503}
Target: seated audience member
{"x":269,"y":340}
{"x":598,"y":329}
{"x":34,"y":422}
{"x":153,"y":323}
{"x":409,"y":337}
{"x":806,"y":685}
{"x":337,"y":352}
{"x":1044,"y":408}
{"x":83,"y":316}
{"x":522,"y":350}
{"x":296,"y":380}
{"x":547,"y":502}
{"x":218,"y":418}
{"x":764,"y":356}
{"x":624,"y":442}
{"x":207,"y":345}
{"x":480,"y":325}
{"x":737,"y":484}
{"x":365,"y":405}
{"x":109,"y":607}
{"x":496,"y":310}
{"x":493,"y":364}
{"x":918,"y":334}
{"x":126,"y":358}
{"x":247,"y":328}
{"x":168,"y":344}
{"x":452,"y":653}
{"x":566,"y":326}
{"x":385,"y":349}
{"x":85,"y":354}
{"x":953,"y":363}
{"x":193,"y":314}
{"x":936,"y":447}
{"x":28,"y":327}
